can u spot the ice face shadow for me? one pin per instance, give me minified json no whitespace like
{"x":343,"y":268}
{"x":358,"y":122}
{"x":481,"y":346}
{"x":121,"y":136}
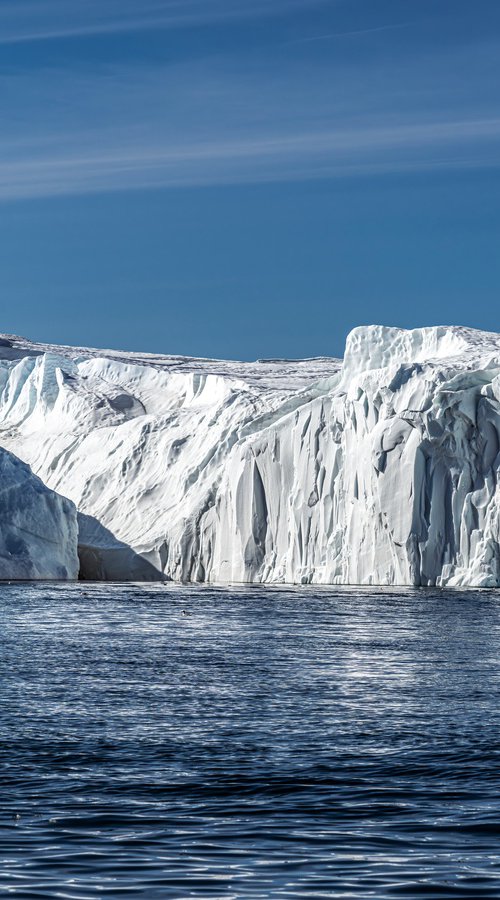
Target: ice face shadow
{"x":103,"y":557}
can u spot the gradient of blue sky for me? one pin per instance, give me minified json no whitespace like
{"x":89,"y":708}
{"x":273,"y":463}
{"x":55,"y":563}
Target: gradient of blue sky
{"x":247,"y":178}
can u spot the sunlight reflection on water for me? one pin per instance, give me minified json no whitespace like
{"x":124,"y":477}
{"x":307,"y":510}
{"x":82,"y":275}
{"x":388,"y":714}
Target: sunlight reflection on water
{"x":176,"y":741}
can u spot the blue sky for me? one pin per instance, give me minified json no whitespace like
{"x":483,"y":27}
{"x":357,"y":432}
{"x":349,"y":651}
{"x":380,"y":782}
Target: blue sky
{"x":247,"y":178}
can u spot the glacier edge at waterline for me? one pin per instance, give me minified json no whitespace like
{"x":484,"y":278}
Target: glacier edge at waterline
{"x":38,"y":528}
{"x":381,"y":469}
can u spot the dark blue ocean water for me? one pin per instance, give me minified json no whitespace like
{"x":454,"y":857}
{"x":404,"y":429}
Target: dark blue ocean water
{"x":181,"y":742}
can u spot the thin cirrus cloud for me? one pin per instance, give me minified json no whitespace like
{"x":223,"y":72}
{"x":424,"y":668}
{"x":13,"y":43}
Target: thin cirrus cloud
{"x":27,"y":21}
{"x":337,"y":153}
{"x":233,"y":119}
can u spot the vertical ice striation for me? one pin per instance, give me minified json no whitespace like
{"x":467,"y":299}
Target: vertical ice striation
{"x":382,"y":469}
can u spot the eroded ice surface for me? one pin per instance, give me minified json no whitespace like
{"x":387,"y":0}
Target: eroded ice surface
{"x":38,"y":528}
{"x":381,"y":469}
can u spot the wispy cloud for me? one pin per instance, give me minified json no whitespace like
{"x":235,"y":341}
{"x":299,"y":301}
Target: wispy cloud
{"x":26,"y":21}
{"x":356,"y":32}
{"x":239,"y":119}
{"x":419,"y":146}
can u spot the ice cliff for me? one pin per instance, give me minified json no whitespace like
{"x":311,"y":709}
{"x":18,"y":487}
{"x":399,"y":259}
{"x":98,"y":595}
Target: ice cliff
{"x":382,"y":468}
{"x":38,"y":528}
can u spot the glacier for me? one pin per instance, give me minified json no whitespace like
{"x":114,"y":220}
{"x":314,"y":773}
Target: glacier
{"x":38,"y":528}
{"x":378,"y":469}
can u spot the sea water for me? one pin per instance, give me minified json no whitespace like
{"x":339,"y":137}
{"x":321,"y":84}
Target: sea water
{"x":163,"y":741}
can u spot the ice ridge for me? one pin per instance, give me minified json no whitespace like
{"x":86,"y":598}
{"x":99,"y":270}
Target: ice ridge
{"x":382,"y":468}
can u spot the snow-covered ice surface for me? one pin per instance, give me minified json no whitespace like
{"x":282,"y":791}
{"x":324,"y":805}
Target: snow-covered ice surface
{"x":381,"y":469}
{"x":38,"y":528}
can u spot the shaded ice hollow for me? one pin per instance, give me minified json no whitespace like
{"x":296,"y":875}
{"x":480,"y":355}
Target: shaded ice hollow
{"x":382,"y":468}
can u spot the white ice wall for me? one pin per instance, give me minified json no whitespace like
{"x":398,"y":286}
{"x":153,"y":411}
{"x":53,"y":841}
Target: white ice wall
{"x":382,"y":470}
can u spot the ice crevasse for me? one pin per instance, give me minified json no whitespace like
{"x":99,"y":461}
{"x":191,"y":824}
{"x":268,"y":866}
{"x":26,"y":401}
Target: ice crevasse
{"x":382,"y":468}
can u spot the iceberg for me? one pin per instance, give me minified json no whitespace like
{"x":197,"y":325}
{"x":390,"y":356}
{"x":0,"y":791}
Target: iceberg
{"x":378,"y":469}
{"x":38,"y":528}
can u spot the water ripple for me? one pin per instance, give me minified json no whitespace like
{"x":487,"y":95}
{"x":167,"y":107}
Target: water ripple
{"x":198,"y":742}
